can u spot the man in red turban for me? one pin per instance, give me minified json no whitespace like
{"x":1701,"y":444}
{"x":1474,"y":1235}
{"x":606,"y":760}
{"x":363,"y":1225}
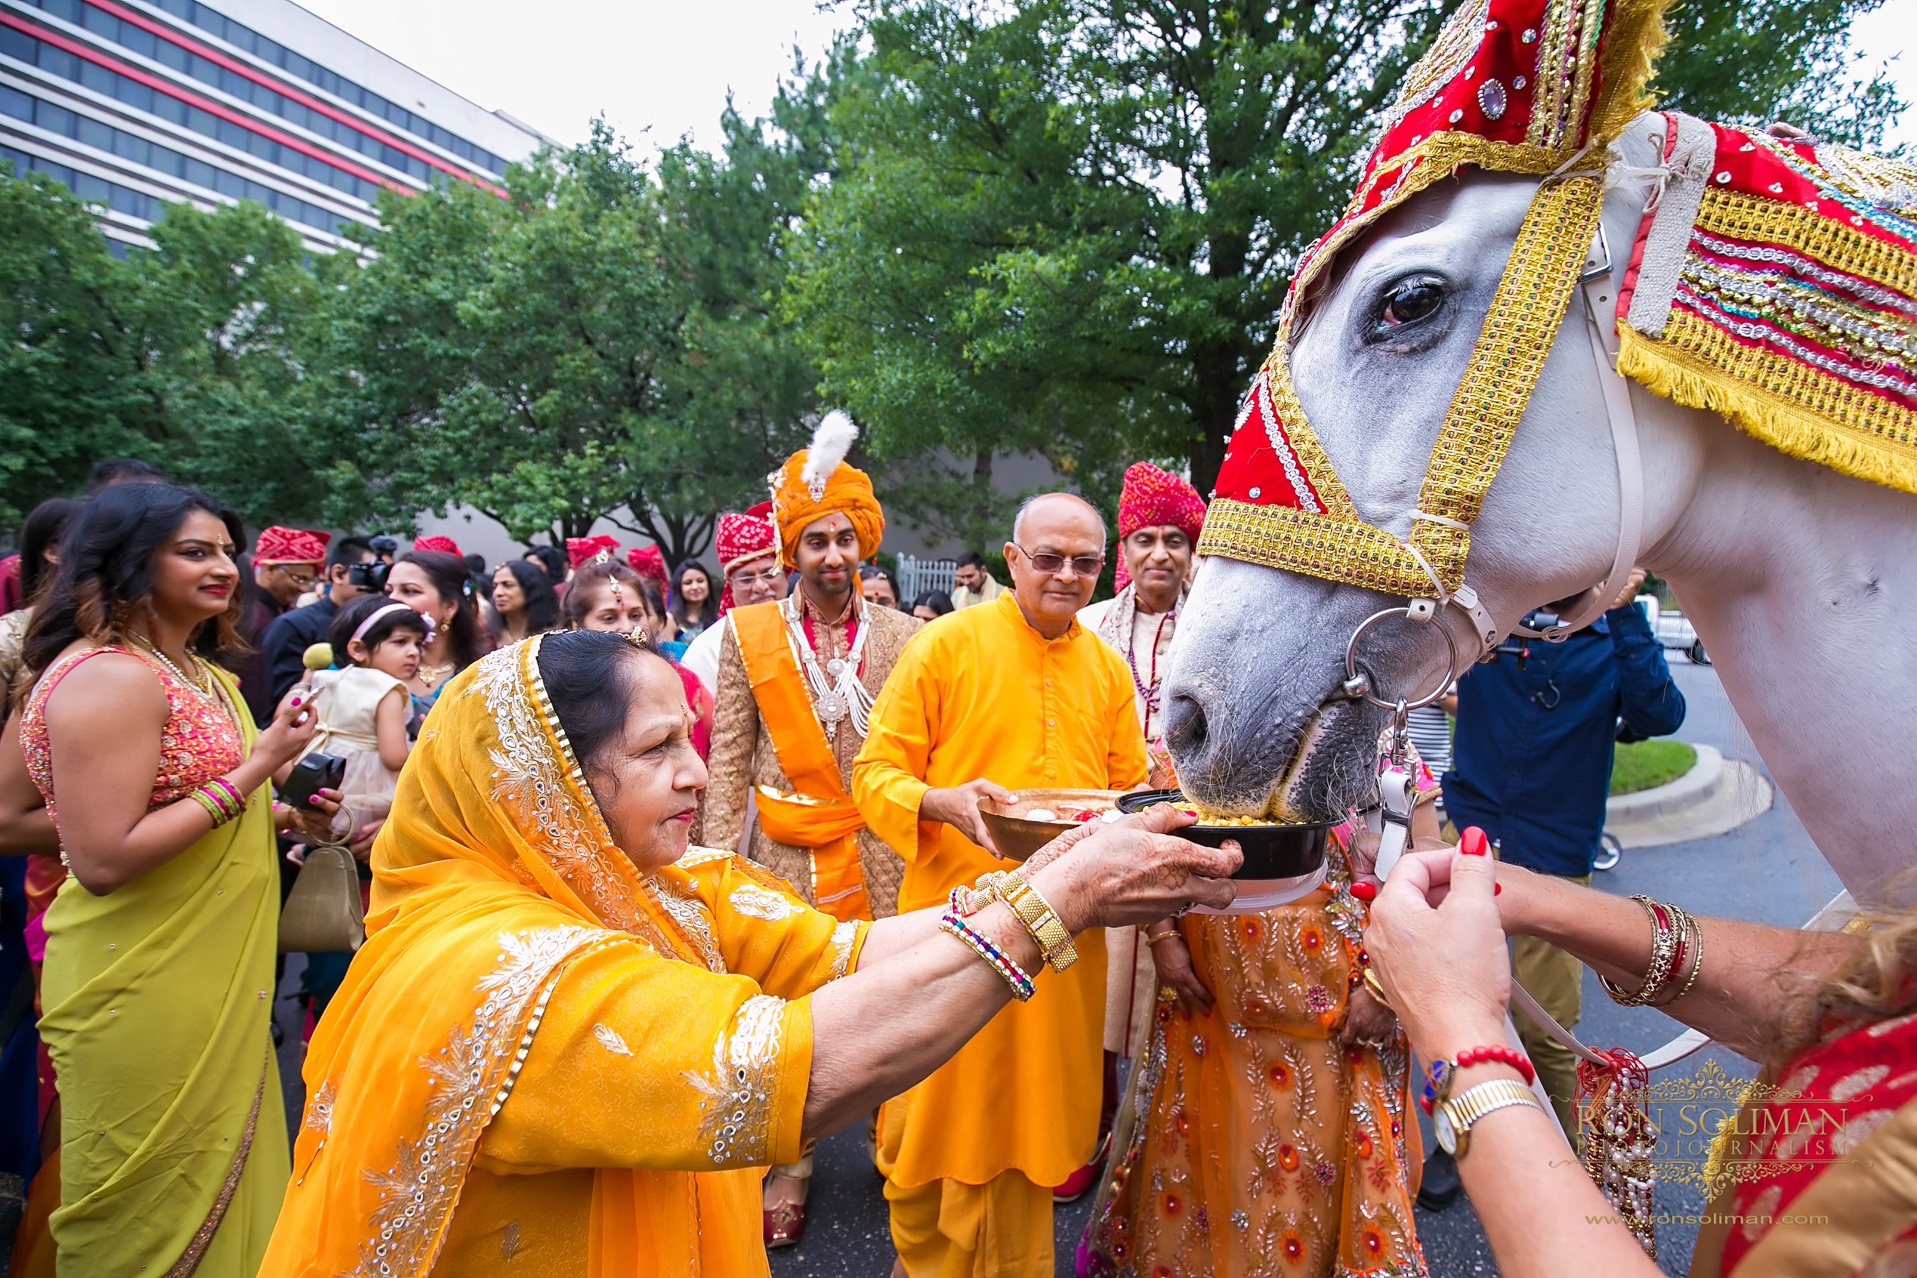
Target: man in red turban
{"x":286,"y":563}
{"x":796,"y":679}
{"x":748,"y":549}
{"x":1159,"y":518}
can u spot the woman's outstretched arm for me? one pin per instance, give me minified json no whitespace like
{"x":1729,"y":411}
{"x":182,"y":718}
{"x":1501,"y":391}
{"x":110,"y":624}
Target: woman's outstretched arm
{"x":919,"y":993}
{"x":1753,"y":976}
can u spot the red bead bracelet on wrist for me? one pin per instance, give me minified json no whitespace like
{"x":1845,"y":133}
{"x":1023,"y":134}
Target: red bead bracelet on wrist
{"x":1503,"y":1055}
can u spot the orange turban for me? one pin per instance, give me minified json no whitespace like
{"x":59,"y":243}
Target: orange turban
{"x":816,"y":482}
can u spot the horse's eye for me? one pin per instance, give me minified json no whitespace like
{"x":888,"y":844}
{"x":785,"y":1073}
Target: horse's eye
{"x":1410,"y":301}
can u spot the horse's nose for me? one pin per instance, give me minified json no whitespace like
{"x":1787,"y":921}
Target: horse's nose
{"x":1187,"y":730}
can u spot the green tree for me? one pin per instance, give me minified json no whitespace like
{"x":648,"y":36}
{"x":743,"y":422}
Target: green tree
{"x":184,"y":355}
{"x":1065,"y":226}
{"x":73,"y":385}
{"x":599,"y":344}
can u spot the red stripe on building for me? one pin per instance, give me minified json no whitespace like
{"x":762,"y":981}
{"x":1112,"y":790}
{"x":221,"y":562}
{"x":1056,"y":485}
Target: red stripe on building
{"x":208,"y":105}
{"x":288,"y":90}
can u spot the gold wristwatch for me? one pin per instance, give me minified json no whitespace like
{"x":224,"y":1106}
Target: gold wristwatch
{"x":1451,"y":1121}
{"x":1040,"y":919}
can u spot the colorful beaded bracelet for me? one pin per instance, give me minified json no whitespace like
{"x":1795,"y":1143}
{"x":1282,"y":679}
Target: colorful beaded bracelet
{"x":1014,"y":976}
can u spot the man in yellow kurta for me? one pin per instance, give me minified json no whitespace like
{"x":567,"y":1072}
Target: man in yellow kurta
{"x":1011,"y":693}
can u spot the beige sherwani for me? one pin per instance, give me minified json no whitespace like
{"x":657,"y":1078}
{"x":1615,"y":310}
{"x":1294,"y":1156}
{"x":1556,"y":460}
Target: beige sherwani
{"x":742,"y":756}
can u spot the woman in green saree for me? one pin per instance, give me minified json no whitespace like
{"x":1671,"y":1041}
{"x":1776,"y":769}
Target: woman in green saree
{"x":158,"y":983}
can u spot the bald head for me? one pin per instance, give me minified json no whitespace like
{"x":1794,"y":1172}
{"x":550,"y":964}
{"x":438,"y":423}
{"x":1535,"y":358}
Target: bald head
{"x":1057,"y":548}
{"x":1057,"y":512}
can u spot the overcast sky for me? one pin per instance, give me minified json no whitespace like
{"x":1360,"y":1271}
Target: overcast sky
{"x":658,"y":70}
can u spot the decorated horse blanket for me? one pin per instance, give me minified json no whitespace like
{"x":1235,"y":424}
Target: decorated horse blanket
{"x":1775,"y":281}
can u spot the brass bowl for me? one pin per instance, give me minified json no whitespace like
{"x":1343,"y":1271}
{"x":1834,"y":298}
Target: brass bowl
{"x":1017,"y":838}
{"x":1276,"y":851}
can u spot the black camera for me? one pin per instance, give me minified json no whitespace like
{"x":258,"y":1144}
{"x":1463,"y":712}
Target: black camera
{"x":369,"y":577}
{"x":317,"y":771}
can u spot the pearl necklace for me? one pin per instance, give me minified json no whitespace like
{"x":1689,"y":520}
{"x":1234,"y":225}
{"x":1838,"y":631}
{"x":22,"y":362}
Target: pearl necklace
{"x":201,"y":687}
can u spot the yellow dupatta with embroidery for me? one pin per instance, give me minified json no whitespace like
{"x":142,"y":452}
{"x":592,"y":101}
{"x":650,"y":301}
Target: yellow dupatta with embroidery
{"x":541,"y":1049}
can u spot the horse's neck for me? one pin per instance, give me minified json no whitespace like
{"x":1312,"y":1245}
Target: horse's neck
{"x":1801,"y":583}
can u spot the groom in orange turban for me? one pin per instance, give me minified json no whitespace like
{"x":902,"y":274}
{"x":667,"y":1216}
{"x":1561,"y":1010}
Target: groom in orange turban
{"x":797,"y":677}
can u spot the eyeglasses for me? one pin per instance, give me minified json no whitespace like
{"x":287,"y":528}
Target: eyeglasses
{"x":1049,"y":563}
{"x":763,"y":577}
{"x":298,"y":578}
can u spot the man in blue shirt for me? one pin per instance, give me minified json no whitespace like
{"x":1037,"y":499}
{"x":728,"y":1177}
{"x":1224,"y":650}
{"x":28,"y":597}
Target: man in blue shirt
{"x":1536,"y":732}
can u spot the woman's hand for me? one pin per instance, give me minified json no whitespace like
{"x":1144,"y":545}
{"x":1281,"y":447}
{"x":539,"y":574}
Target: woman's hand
{"x":1172,"y":958}
{"x":1364,"y":858}
{"x":1134,"y":871}
{"x":291,"y":731}
{"x":1438,"y":949}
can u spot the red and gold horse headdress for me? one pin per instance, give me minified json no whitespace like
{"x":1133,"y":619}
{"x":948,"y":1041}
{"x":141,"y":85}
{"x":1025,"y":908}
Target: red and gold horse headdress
{"x":1512,"y":86}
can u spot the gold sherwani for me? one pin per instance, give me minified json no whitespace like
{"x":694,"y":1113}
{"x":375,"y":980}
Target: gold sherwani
{"x":742,"y":755}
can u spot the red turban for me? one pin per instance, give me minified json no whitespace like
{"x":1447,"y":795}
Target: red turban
{"x":650,"y":563}
{"x":444,"y":545}
{"x":1153,"y":498}
{"x":580,"y":549}
{"x":279,"y":545}
{"x":816,"y":482}
{"x":742,"y":539}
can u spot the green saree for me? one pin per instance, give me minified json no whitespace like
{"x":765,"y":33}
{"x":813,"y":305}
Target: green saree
{"x":157,"y":1000}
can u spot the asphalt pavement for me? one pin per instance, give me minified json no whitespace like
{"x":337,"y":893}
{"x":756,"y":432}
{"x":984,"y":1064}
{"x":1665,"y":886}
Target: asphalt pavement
{"x":1767,"y":871}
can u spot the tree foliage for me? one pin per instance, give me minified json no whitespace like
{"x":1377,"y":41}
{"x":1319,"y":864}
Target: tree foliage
{"x":598,"y":344}
{"x":184,"y":355}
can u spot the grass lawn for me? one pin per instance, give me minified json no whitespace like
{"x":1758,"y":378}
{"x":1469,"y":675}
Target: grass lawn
{"x":1643,"y":764}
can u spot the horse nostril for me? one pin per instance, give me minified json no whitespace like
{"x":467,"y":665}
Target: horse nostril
{"x":1185,"y":726}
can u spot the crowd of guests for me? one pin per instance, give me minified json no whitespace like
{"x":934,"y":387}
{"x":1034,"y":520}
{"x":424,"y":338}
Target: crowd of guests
{"x":667,"y":874}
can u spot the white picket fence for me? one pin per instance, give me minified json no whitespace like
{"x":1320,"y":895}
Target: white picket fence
{"x":916,"y":576}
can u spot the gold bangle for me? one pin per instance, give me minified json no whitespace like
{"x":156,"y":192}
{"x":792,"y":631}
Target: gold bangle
{"x":1172,"y":935}
{"x":1040,"y":919}
{"x":1376,"y":987}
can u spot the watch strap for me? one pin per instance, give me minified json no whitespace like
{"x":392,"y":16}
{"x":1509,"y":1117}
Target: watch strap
{"x":1475,"y":1102}
{"x":1040,"y":919}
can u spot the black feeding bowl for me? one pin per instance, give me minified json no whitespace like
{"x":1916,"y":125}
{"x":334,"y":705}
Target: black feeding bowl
{"x":1271,"y":851}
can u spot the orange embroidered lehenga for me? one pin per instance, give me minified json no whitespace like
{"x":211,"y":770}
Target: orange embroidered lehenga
{"x":1250,"y":1140}
{"x":543,"y":1060}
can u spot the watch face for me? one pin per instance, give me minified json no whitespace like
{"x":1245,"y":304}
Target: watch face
{"x":1441,"y":1128}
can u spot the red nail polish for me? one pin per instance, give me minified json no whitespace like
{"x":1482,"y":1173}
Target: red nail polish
{"x":1496,"y":888}
{"x":1474,"y":843}
{"x":296,"y":700}
{"x":1364,"y":891}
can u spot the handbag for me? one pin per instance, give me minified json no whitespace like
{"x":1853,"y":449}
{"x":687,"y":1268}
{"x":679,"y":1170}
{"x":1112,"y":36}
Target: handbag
{"x":323,"y":913}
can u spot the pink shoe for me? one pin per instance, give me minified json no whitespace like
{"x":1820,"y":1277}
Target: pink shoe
{"x":1084,"y":1178}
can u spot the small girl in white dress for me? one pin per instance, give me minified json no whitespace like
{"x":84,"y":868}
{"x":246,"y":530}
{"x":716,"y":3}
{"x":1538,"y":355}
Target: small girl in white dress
{"x":362,"y":708}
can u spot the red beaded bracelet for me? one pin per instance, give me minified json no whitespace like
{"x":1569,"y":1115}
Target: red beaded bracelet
{"x":1504,"y":1055}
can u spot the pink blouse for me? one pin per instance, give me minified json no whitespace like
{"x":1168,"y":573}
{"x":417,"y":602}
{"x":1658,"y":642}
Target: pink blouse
{"x":200,"y":740}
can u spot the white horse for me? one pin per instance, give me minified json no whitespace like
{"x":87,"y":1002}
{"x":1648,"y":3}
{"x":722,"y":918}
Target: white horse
{"x":1802,"y":582}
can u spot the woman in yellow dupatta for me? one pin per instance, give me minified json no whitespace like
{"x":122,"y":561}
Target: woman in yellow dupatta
{"x":158,"y":983}
{"x":1816,"y":1174}
{"x":568,"y":1040}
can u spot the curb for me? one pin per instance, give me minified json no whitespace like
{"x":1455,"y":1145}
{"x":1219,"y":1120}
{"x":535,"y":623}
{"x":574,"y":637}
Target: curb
{"x":1715,"y":797}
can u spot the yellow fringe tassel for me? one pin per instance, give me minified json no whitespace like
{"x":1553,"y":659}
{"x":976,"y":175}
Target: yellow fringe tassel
{"x":1675,"y":375}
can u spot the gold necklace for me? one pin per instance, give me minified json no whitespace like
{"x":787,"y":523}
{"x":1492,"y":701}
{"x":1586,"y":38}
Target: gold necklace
{"x":431,"y":675}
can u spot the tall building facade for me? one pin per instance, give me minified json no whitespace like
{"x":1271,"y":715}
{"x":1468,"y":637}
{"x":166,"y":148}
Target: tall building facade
{"x":133,"y":104}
